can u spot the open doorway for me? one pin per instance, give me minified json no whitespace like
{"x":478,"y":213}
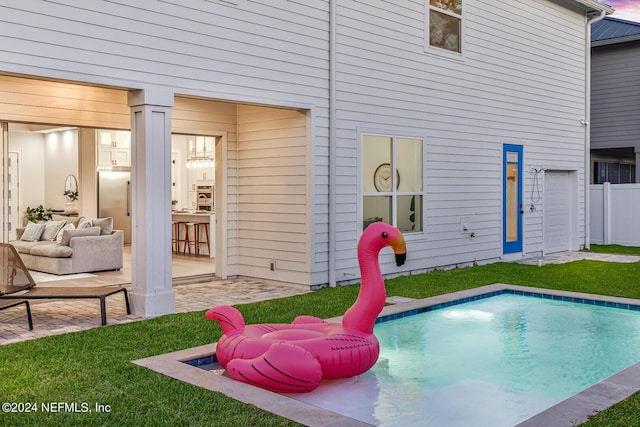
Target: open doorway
{"x":41,"y":158}
{"x":13,"y":193}
{"x":196,"y":183}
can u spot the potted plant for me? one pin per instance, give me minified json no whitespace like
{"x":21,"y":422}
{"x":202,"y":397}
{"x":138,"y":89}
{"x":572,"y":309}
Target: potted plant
{"x":71,"y":196}
{"x":173,"y":205}
{"x":38,"y":214}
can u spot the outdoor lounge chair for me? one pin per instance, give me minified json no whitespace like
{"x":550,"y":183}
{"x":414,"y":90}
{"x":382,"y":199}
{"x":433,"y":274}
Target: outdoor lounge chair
{"x":14,"y":302}
{"x":16,"y":284}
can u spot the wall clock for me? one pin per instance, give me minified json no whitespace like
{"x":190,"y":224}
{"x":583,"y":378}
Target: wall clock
{"x":382,"y":178}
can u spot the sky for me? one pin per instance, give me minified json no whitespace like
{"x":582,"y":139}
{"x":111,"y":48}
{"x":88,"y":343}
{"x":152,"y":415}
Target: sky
{"x":625,"y":9}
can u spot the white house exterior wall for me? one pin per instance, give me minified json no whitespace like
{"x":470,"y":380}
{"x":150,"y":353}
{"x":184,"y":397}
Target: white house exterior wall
{"x":273,"y":212}
{"x":192,"y":46}
{"x":260,"y":52}
{"x":521,"y":81}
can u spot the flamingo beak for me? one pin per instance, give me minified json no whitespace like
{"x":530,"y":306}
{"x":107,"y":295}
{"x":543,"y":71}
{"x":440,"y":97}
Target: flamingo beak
{"x":399,"y":247}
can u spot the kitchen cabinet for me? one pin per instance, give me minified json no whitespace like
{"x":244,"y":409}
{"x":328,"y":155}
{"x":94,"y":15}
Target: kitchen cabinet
{"x":204,"y":199}
{"x":201,"y":196}
{"x":114,"y":148}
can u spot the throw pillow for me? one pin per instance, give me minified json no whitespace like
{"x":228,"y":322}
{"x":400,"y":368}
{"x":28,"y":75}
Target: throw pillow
{"x":66,"y":227}
{"x":51,"y":229}
{"x":75,"y":220}
{"x":32,"y":232}
{"x":84,"y":223}
{"x":105,"y":224}
{"x":56,"y":217}
{"x":67,"y":235}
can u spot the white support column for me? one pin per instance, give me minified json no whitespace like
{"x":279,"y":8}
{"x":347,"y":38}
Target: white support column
{"x":152,"y":294}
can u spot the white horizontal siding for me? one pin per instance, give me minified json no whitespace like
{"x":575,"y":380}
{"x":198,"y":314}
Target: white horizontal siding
{"x":273,"y":209}
{"x":197,"y":46}
{"x":520,"y":81}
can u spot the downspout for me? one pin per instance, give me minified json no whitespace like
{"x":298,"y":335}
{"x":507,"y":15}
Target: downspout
{"x":587,"y":129}
{"x":4,"y":147}
{"x":332,"y":143}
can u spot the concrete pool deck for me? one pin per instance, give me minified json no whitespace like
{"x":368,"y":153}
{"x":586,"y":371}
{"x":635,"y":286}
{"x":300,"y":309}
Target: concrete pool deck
{"x":572,"y":411}
{"x":55,"y":317}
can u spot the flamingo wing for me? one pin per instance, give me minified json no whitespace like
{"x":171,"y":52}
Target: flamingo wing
{"x":284,"y":368}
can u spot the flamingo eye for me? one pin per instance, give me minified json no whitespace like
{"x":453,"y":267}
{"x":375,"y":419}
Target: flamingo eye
{"x":385,"y":234}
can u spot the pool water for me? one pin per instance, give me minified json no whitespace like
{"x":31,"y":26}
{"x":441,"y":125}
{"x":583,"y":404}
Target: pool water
{"x":491,"y":362}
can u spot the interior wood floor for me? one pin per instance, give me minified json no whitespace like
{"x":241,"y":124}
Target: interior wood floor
{"x":185,"y":269}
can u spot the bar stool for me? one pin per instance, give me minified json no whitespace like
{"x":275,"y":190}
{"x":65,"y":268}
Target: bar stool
{"x":178,"y":225}
{"x":198,"y":231}
{"x":174,"y":236}
{"x":187,"y":239}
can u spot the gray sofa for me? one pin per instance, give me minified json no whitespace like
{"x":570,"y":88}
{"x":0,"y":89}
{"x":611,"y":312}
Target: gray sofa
{"x":80,"y":251}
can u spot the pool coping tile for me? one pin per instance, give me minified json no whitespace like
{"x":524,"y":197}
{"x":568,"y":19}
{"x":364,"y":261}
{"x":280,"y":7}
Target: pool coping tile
{"x":173,"y":365}
{"x":571,"y":411}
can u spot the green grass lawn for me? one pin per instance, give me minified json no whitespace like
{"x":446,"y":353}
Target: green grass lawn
{"x":615,"y":249}
{"x":95,"y":366}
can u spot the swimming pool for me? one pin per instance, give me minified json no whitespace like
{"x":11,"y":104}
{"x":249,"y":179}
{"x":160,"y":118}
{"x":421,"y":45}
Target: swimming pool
{"x":578,"y":408}
{"x":494,"y":361}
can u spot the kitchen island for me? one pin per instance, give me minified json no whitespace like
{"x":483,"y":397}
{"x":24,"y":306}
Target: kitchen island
{"x":198,"y":218}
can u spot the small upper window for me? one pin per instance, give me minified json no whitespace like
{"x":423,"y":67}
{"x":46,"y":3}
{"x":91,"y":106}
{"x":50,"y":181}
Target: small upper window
{"x":445,"y":24}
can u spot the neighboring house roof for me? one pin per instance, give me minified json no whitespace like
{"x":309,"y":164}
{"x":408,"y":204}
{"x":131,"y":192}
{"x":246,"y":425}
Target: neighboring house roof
{"x":613,"y":30}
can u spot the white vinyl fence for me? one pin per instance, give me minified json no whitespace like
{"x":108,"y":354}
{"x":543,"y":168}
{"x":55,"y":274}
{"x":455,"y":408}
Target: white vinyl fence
{"x":615,"y":214}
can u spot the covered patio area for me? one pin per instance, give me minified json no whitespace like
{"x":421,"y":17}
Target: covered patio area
{"x":62,"y":316}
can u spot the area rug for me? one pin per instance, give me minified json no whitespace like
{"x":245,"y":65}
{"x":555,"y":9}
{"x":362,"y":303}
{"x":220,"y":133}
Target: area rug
{"x":40,"y":277}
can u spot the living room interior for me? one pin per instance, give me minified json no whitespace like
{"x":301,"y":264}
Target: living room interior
{"x":84,"y":172}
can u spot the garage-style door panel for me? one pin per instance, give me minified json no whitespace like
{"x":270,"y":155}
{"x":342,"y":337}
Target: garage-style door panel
{"x":557,"y":211}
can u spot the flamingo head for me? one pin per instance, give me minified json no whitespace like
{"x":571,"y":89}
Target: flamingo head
{"x":378,"y":235}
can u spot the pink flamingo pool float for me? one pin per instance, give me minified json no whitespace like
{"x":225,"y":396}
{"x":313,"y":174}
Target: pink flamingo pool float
{"x":295,"y":357}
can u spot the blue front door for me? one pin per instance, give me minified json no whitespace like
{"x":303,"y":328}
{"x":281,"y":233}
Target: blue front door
{"x":512,"y":199}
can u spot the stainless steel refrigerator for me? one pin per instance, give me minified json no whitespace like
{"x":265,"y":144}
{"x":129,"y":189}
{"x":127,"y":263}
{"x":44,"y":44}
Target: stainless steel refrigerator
{"x":114,"y":200}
